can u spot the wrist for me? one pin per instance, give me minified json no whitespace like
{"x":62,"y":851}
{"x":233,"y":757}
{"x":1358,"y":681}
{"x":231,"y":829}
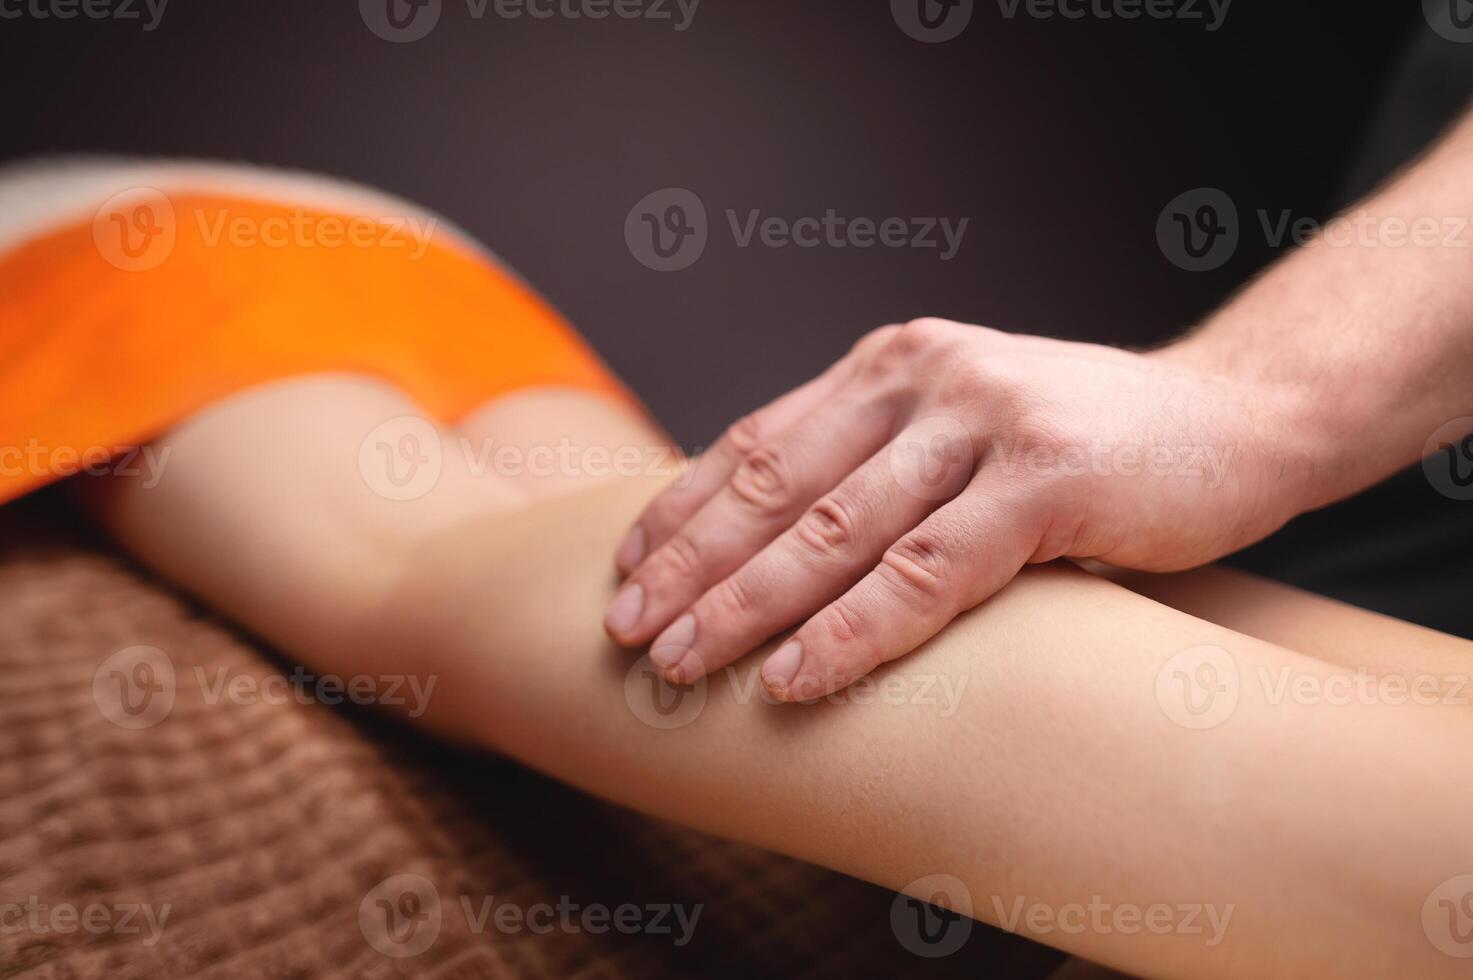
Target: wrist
{"x":1296,"y":422}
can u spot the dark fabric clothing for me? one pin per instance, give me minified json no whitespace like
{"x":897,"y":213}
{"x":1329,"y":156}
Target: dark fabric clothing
{"x":1402,"y":547}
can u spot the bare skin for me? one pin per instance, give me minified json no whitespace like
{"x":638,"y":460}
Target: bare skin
{"x":1063,"y":771}
{"x":1344,"y":363}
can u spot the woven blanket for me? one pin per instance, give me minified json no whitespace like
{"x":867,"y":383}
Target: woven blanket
{"x":280,"y":837}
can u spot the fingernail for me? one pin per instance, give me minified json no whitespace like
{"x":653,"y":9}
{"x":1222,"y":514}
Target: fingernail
{"x":780,"y":668}
{"x":625,"y":609}
{"x":631,"y":551}
{"x":675,"y":642}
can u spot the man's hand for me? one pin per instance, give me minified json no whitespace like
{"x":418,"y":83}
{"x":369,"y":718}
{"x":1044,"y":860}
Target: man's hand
{"x":916,"y":476}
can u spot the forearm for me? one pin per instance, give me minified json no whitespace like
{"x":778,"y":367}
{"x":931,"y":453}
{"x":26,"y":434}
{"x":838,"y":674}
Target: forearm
{"x":1368,"y":328}
{"x":1051,"y":772}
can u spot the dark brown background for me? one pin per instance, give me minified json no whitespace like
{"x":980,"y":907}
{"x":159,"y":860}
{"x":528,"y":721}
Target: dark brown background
{"x":1060,"y":139}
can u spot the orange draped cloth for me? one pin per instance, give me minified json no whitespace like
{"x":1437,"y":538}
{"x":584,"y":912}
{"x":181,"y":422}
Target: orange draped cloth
{"x":115,"y":329}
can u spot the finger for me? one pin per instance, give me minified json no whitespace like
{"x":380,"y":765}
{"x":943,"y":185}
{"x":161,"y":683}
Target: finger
{"x":960,"y":555}
{"x":672,"y":508}
{"x":765,"y":495}
{"x":836,"y":541}
{"x":675,"y":505}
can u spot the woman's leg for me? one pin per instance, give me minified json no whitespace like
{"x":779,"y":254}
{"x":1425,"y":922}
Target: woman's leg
{"x":1323,"y":628}
{"x":1081,"y":763}
{"x":290,"y":506}
{"x":549,"y":442}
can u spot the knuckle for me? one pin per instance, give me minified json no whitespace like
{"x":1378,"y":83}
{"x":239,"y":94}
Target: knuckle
{"x":928,"y":326}
{"x":929,"y":333}
{"x":876,"y":340}
{"x":913,"y":338}
{"x":917,"y":342}
{"x":763,"y":482}
{"x":919,"y":566}
{"x":745,"y":434}
{"x":827,"y":528}
{"x":682,"y":556}
{"x":737,"y":596}
{"x":841,"y":621}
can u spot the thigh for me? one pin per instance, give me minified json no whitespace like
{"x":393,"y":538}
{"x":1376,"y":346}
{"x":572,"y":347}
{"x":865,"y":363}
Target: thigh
{"x":547,"y":442}
{"x":288,"y":505}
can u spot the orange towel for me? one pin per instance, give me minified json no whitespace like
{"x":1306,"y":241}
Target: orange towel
{"x":115,"y":329}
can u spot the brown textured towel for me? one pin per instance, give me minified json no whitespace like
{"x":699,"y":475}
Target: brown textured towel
{"x":259,"y":830}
